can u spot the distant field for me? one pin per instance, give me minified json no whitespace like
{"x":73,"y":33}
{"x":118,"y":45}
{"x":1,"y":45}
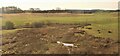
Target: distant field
{"x":99,"y":21}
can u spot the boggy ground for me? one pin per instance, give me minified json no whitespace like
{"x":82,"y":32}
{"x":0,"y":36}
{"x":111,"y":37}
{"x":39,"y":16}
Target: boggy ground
{"x":43,"y":41}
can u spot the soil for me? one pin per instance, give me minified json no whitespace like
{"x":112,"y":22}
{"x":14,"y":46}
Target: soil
{"x":43,"y":41}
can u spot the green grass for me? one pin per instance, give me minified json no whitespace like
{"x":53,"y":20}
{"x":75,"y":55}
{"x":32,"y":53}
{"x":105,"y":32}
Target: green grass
{"x":10,"y":31}
{"x":104,"y":28}
{"x":95,"y":18}
{"x":102,"y":21}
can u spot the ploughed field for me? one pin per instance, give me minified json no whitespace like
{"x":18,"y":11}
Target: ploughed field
{"x":44,"y":41}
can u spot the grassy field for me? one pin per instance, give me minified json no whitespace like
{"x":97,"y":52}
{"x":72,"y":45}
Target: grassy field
{"x":100,"y":21}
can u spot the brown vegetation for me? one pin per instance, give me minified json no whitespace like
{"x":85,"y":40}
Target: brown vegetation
{"x":43,"y":41}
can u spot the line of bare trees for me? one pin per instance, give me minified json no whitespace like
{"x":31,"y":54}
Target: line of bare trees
{"x":13,"y":9}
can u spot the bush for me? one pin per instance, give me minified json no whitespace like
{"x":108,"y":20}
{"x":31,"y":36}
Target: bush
{"x":3,"y":27}
{"x":36,"y":24}
{"x":27,"y":25}
{"x":8,"y":25}
{"x":47,"y":22}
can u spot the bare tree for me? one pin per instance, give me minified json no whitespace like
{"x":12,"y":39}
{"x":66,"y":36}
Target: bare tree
{"x":58,"y":8}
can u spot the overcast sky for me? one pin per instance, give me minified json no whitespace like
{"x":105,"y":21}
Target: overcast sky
{"x":64,"y":4}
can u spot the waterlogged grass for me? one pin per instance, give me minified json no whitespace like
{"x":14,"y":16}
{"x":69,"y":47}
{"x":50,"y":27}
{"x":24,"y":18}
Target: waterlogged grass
{"x":100,"y":21}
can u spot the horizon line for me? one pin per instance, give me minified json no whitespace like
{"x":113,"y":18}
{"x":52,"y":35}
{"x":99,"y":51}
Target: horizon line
{"x":66,"y":8}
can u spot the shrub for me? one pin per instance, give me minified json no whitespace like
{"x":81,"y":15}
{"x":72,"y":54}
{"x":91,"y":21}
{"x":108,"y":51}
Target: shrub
{"x":47,"y":22}
{"x":9,"y":25}
{"x":3,"y":27}
{"x":27,"y":25}
{"x":36,"y":24}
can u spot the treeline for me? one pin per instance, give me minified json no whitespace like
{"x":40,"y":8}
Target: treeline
{"x":13,"y":9}
{"x":47,"y":11}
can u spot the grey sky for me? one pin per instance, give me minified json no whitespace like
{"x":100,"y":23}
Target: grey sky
{"x":64,"y":4}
